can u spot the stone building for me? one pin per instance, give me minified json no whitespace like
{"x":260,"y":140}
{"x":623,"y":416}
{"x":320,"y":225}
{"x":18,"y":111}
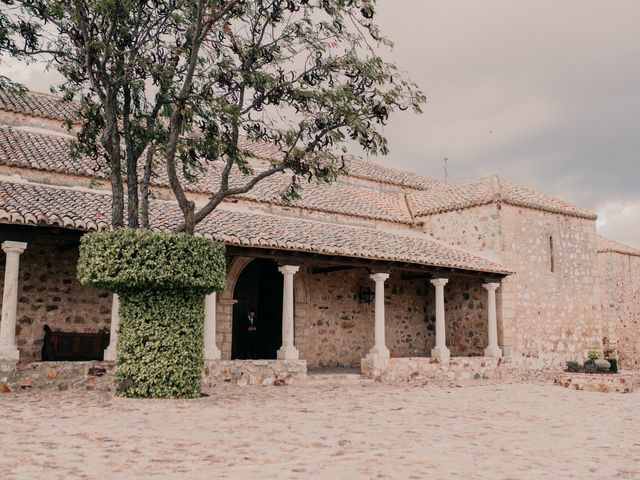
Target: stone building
{"x":382,"y":267}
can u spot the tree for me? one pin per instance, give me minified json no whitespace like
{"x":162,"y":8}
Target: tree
{"x":182,"y":84}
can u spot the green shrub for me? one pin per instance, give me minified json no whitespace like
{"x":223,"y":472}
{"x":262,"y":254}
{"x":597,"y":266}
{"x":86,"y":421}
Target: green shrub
{"x":602,"y":365}
{"x":160,"y":344}
{"x":573,"y":367}
{"x":614,"y":365}
{"x":593,"y":354}
{"x":162,"y":280}
{"x":126,"y":259}
{"x":590,"y":366}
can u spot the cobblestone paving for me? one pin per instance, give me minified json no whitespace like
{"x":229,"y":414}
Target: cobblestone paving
{"x":372,"y":431}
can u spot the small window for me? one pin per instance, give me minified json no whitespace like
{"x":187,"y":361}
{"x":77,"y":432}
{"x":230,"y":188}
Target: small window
{"x":552,"y":266}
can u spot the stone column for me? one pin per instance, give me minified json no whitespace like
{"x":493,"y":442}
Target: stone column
{"x":110,"y":352}
{"x":211,"y":350}
{"x":379,"y":352}
{"x":492,"y":350}
{"x":440,"y":351}
{"x":9,"y":353}
{"x":288,"y":351}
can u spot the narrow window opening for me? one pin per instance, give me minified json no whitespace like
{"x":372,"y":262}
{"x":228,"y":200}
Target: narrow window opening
{"x":552,"y":266}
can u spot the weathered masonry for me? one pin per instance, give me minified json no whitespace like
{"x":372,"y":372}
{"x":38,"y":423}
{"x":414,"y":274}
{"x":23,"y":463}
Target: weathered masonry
{"x":380,"y":270}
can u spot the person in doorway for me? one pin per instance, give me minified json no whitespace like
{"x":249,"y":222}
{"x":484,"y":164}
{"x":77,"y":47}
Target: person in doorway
{"x":252,"y":335}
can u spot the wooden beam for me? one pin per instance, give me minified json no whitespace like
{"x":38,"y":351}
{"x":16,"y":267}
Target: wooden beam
{"x":338,"y":268}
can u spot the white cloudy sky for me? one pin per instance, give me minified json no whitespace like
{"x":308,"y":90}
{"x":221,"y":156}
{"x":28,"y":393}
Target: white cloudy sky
{"x":544,"y":92}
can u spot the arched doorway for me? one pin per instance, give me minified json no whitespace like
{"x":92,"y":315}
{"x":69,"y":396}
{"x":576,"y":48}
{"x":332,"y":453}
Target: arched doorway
{"x":258,"y":289}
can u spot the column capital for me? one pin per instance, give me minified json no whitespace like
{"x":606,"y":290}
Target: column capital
{"x":379,"y":277}
{"x":14,"y":247}
{"x":491,"y":285}
{"x":439,"y":282}
{"x":288,"y":269}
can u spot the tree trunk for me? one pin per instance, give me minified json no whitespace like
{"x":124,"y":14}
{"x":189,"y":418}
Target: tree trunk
{"x":144,"y":190}
{"x":132,"y":163}
{"x":190,"y":218}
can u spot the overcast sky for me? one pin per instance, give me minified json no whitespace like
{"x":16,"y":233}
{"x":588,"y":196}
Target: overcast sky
{"x":544,"y":92}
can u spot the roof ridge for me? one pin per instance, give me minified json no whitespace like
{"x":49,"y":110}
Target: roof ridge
{"x":496,"y":185}
{"x":607,"y":245}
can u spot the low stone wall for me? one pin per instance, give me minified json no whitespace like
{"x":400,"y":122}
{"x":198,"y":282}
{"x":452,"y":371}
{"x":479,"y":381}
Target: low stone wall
{"x":59,"y":376}
{"x":101,"y":375}
{"x":458,"y":369}
{"x":254,"y":372}
{"x":593,"y":382}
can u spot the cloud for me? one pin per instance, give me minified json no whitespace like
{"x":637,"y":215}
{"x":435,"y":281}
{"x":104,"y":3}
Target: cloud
{"x":619,"y":220}
{"x":545,"y":93}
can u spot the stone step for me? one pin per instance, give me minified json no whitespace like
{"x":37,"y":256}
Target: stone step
{"x":317,"y":378}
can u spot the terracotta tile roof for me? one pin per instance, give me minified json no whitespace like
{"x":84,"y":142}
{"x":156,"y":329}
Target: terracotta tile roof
{"x":36,"y":104}
{"x":49,"y":153}
{"x":609,"y":246}
{"x":26,"y":203}
{"x":49,"y":106}
{"x":336,"y":197}
{"x":368,"y":170}
{"x":449,"y":197}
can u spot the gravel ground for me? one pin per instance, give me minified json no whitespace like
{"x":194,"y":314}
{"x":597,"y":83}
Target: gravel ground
{"x":372,"y":431}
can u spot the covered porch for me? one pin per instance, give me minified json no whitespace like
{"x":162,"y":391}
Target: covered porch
{"x":341,"y":312}
{"x":383,"y":317}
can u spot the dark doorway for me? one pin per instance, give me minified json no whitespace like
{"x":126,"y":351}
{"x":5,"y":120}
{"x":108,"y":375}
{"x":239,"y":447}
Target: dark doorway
{"x":258,"y":289}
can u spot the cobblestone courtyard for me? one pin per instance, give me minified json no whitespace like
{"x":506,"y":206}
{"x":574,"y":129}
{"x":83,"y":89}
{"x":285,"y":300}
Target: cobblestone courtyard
{"x":375,"y":431}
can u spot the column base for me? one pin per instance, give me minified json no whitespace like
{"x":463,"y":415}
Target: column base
{"x":378,"y":353}
{"x":493,"y":351}
{"x":109,"y":354}
{"x":9,"y":354}
{"x":288,"y":353}
{"x":441,"y":353}
{"x":376,"y":361}
{"x":211,"y":354}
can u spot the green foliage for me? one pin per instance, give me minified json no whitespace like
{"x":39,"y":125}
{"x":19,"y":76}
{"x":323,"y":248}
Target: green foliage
{"x":187,"y":79}
{"x":574,"y":367}
{"x":126,"y":259}
{"x":614,"y":365}
{"x":603,"y":366}
{"x":160,"y":344}
{"x":161,"y":280}
{"x":593,"y":354}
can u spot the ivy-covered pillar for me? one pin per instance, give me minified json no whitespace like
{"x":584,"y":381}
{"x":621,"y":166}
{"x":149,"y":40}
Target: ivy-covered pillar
{"x":161,"y":281}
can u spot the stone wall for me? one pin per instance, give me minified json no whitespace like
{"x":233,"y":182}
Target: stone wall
{"x":603,"y":383}
{"x":253,"y":372}
{"x":49,"y":293}
{"x":59,"y":376}
{"x":544,"y":317}
{"x":549,"y":312}
{"x":620,"y":284}
{"x":339,"y":331}
{"x":476,"y":229}
{"x":459,"y":370}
